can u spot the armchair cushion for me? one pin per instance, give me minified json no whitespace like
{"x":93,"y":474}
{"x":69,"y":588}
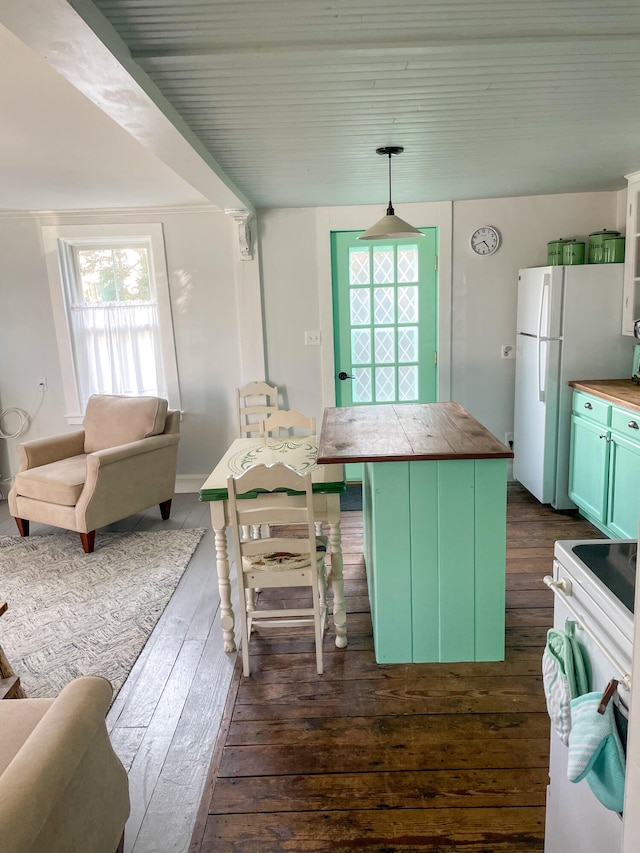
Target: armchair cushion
{"x":58,"y":482}
{"x":111,"y":420}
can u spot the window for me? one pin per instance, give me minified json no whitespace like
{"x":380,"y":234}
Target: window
{"x":112,"y":309}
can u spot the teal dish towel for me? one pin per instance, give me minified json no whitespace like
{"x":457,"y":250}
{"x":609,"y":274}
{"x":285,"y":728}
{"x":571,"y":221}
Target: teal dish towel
{"x":564,"y":677}
{"x":595,"y":750}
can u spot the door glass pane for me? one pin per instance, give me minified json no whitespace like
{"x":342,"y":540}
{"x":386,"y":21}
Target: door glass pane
{"x":408,"y":383}
{"x":385,"y":385}
{"x":361,"y":346}
{"x":382,"y":265}
{"x":408,"y":304}
{"x":383,"y":307}
{"x":384,"y":346}
{"x":407,"y":263}
{"x":360,"y":306}
{"x":362,"y":385}
{"x":359,"y":266}
{"x":407,"y":344}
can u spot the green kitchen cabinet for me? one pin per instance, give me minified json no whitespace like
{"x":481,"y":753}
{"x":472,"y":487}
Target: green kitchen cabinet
{"x":589,"y":467}
{"x":604,"y":472}
{"x":623,"y":505}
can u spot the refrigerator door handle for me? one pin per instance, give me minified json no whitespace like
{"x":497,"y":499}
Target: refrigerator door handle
{"x":538,"y":370}
{"x":544,"y":290}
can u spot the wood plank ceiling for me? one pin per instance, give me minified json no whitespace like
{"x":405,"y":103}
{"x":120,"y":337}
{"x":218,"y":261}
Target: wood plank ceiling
{"x":489,"y":98}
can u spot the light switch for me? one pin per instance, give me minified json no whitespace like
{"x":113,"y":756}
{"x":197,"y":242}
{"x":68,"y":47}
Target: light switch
{"x":312,"y":338}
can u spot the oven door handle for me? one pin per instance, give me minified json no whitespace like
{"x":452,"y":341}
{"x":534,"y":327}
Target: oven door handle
{"x":562,"y":589}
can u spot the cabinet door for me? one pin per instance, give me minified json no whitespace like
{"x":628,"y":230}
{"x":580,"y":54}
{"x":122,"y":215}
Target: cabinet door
{"x":624,"y":488}
{"x":589,"y":467}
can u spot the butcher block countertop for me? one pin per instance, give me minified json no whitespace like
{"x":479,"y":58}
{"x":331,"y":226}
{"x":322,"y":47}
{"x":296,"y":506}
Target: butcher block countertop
{"x":621,"y":392}
{"x":405,"y":433}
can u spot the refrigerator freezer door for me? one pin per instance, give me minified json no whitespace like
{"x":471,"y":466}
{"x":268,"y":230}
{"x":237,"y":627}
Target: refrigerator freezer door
{"x":540,"y":302}
{"x":536,"y":415}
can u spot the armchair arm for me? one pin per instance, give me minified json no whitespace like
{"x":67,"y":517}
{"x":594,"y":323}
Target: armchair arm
{"x":66,"y":786}
{"x":41,"y":451}
{"x":100,"y":458}
{"x":125,"y":479}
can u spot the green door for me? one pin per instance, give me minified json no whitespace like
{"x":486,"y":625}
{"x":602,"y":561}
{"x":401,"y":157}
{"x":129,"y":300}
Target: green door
{"x":385,"y":303}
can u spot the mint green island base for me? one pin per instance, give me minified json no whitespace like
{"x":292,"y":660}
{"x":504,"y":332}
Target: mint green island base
{"x":434,"y":507}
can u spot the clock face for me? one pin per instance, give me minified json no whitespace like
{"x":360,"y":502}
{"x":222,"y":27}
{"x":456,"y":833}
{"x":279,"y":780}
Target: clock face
{"x":485,"y":240}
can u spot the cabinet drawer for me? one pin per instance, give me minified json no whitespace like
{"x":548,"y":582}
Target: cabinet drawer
{"x":591,"y":407}
{"x":626,"y":423}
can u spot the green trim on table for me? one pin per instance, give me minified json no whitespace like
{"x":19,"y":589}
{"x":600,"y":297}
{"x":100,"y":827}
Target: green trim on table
{"x":317,"y":489}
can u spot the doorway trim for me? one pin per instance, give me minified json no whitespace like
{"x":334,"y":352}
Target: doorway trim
{"x":328,"y":219}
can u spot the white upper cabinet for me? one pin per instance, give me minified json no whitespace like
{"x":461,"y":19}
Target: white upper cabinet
{"x":631,"y":292}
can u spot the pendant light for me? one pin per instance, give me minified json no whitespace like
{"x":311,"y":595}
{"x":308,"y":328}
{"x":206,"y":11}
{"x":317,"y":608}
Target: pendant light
{"x":390,"y":226}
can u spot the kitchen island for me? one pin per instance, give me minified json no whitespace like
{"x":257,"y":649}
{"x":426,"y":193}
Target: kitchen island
{"x":434,"y":514}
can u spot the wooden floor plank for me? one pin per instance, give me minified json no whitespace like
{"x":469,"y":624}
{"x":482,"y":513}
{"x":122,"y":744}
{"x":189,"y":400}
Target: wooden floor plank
{"x":500,"y":830}
{"x":496,"y":788}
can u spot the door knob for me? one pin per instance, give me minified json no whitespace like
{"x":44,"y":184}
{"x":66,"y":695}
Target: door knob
{"x":342,"y":376}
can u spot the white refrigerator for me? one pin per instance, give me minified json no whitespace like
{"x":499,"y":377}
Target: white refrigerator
{"x":569,"y":323}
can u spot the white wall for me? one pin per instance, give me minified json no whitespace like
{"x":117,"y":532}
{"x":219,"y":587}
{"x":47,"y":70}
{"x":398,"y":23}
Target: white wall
{"x":485,"y":288}
{"x":201,"y":248}
{"x":478,"y":294}
{"x":214,"y":296}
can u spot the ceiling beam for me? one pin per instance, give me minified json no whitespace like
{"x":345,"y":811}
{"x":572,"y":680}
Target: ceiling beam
{"x":85,"y":49}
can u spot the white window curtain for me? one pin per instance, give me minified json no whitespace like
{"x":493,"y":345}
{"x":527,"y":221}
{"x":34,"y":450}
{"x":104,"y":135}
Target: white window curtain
{"x":117,"y":349}
{"x":122,"y":344}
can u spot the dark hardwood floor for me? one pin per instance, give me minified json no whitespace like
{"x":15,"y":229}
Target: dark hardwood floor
{"x":420,"y":757}
{"x":377,"y":758}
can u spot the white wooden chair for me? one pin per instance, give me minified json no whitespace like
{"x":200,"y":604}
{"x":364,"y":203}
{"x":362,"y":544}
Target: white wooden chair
{"x":288,"y":419}
{"x":254,"y":402}
{"x":279,"y":560}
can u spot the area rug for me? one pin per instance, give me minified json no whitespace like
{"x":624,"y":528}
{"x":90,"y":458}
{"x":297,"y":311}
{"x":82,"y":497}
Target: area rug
{"x":351,"y":500}
{"x":73,"y":614}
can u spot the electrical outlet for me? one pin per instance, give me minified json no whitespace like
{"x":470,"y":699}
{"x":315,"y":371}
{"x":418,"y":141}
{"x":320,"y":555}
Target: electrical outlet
{"x":507,"y":351}
{"x":312,"y":338}
{"x":508,"y":440}
{"x":42,"y":383}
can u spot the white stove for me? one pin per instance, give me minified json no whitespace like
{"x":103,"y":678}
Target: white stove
{"x":594,"y":585}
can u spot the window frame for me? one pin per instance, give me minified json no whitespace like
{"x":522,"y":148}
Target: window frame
{"x":59,"y":244}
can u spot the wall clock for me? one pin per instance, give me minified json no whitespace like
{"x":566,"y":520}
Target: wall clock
{"x":485,"y":240}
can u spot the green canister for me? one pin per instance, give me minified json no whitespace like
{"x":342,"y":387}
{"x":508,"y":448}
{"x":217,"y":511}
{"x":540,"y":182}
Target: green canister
{"x":613,"y":250}
{"x":554,"y":252}
{"x":596,"y":245}
{"x":573,"y":252}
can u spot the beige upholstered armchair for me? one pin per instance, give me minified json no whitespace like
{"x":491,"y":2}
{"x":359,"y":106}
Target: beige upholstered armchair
{"x":123,"y":461}
{"x":62,"y":787}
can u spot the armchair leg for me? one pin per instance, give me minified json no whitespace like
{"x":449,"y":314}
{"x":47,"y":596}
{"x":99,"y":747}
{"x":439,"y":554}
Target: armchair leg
{"x":88,"y":541}
{"x":23,"y":526}
{"x":165,"y":509}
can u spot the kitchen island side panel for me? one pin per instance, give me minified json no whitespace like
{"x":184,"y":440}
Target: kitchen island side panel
{"x":389,"y":534}
{"x":490,"y":557}
{"x":424,"y":554}
{"x":435,"y":554}
{"x":456,"y":559}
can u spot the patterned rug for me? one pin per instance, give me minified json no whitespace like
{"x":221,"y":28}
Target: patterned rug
{"x":72,"y":613}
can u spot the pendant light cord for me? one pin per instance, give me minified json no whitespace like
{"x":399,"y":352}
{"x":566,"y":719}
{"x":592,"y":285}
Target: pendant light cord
{"x":390,"y":210}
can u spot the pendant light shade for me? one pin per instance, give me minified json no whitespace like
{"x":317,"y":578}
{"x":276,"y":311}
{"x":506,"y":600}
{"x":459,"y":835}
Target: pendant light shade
{"x":390,"y":226}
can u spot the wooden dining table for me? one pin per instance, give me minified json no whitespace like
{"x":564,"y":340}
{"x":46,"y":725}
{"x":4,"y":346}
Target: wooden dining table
{"x":299,"y":452}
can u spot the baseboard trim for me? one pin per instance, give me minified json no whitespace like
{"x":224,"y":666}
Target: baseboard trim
{"x":189,"y":483}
